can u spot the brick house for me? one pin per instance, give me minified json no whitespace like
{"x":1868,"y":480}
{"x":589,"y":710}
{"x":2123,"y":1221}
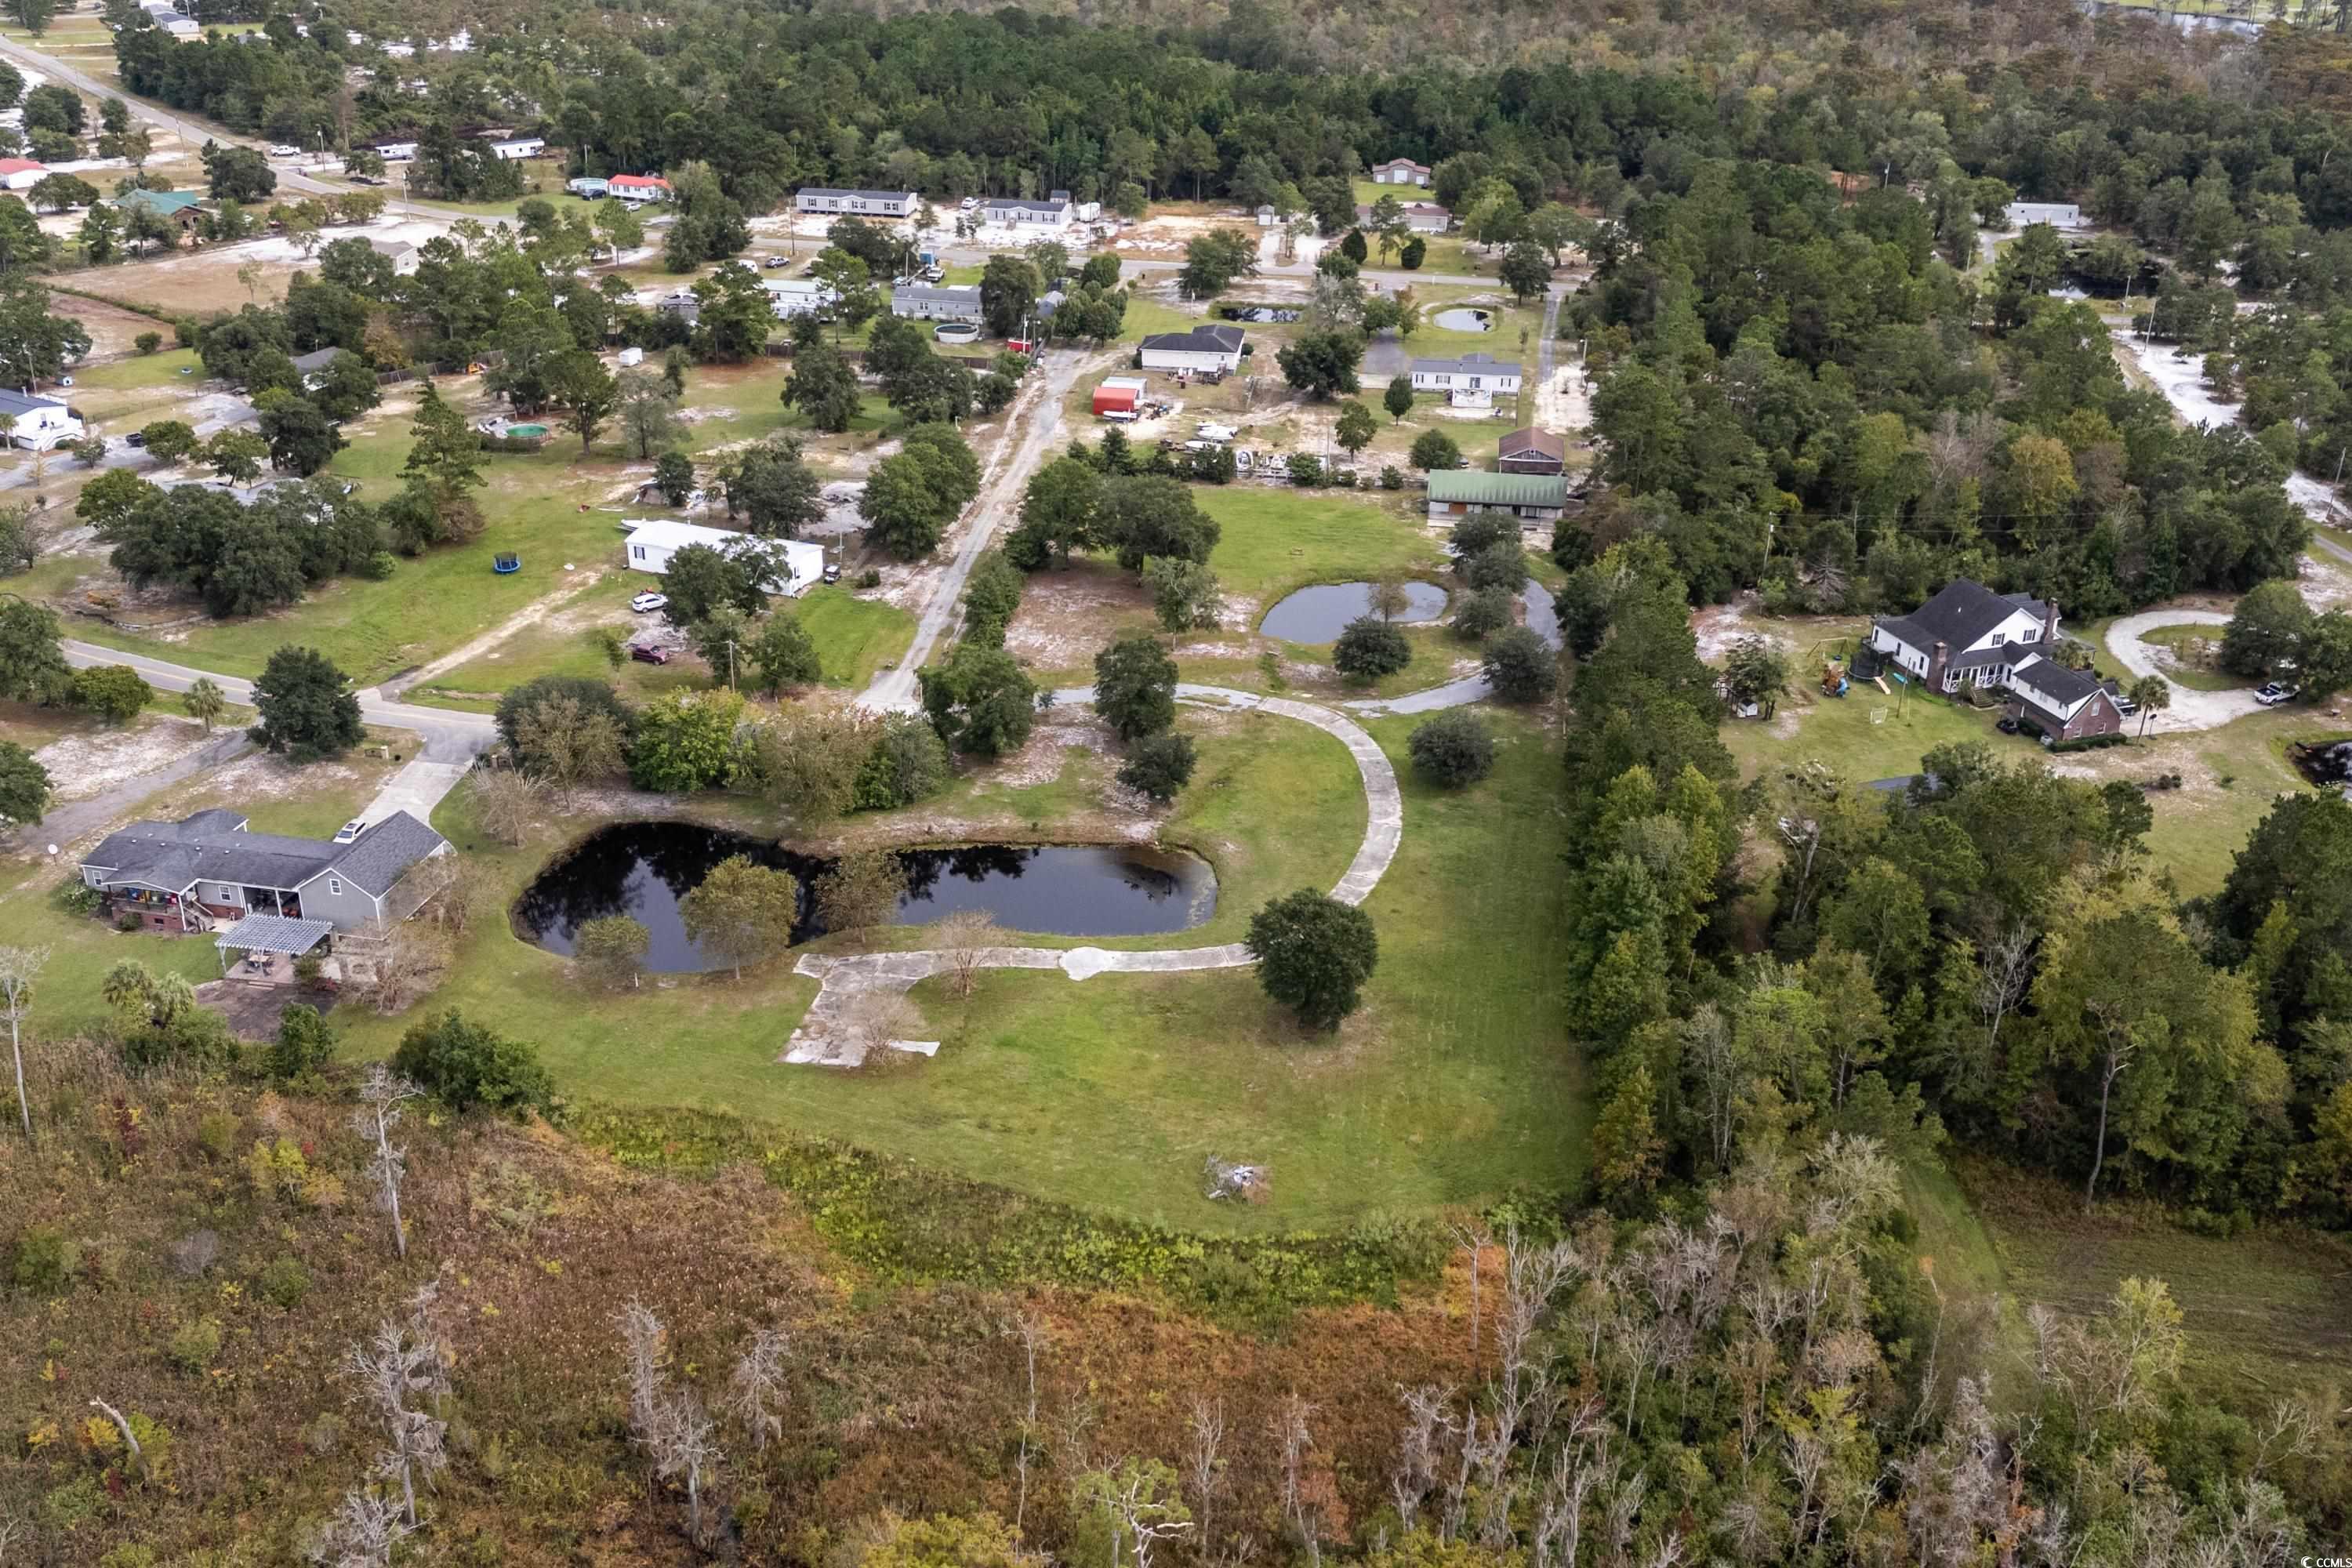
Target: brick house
{"x":2064,"y":704}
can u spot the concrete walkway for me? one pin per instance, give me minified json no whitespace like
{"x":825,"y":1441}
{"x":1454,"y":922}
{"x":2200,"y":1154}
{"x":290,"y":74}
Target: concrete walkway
{"x":824,"y":1038}
{"x":2191,"y":708}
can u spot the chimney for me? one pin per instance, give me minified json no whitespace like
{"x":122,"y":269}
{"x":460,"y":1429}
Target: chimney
{"x":1935,"y":660}
{"x":2048,"y":622}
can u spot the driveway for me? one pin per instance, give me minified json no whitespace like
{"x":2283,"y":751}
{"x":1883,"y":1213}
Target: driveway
{"x":1027,"y":446}
{"x":2190,"y":709}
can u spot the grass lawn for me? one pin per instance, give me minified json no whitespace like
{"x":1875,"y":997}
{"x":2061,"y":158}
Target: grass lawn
{"x":853,"y":636}
{"x":2187,"y":642}
{"x":1440,"y":1065}
{"x":1866,"y":735}
{"x":1452,"y":1086}
{"x":1277,"y":540}
{"x":2262,"y":1310}
{"x":745,"y":403}
{"x":1147,"y":316}
{"x":141,"y":372}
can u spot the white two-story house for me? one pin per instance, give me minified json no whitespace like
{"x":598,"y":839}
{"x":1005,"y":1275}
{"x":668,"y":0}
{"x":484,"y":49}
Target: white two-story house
{"x":1966,"y":633}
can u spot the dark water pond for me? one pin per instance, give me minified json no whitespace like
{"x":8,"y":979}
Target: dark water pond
{"x":1321,"y":613}
{"x":643,"y":869}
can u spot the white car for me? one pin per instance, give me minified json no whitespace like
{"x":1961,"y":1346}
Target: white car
{"x":2271,"y":695}
{"x":283,"y":151}
{"x":350,"y":830}
{"x":646,"y":603}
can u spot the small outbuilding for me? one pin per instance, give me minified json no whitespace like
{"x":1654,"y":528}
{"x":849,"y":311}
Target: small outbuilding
{"x":1532,"y":451}
{"x":21,"y":173}
{"x":1457,"y":493}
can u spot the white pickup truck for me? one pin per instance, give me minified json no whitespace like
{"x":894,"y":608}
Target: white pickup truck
{"x":1217,"y":433}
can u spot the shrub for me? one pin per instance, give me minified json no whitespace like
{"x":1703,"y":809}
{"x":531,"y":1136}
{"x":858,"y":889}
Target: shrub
{"x":468,"y":1066}
{"x":304,"y":1043}
{"x":216,"y":1134}
{"x":284,"y":1281}
{"x":113,"y":691}
{"x":1160,"y":765}
{"x":43,"y":1260}
{"x":147,"y":343}
{"x":1483,"y":612}
{"x":1305,"y":469}
{"x":1519,"y":666}
{"x":1452,"y":749}
{"x":1368,"y":648}
{"x":870,"y":578}
{"x":908,"y":763}
{"x":1391,"y":478}
{"x":1502,"y":565}
{"x":195,"y":1346}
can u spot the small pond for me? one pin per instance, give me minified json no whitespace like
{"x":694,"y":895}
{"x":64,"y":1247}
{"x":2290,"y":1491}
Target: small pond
{"x":1465,"y":320}
{"x":643,"y":869}
{"x":1321,"y":613}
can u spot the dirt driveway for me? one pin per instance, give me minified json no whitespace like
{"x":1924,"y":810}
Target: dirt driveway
{"x":2191,"y":708}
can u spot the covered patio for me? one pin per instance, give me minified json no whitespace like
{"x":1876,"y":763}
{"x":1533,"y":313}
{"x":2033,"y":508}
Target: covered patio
{"x":271,"y":945}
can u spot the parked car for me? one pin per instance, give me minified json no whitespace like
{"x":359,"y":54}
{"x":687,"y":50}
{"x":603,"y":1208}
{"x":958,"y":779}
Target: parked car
{"x":350,"y":830}
{"x":136,"y":438}
{"x":968,"y":203}
{"x":775,"y":261}
{"x":2272,"y":694}
{"x":283,"y":151}
{"x":832,"y":572}
{"x":646,"y":603}
{"x":646,"y":653}
{"x":2007,"y":726}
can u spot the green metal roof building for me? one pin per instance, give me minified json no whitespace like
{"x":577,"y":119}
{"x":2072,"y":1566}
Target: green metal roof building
{"x":1531,"y":497}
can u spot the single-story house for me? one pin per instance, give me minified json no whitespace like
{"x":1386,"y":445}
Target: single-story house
{"x":1268,"y":218}
{"x":936,"y":302}
{"x":1213,"y":347}
{"x":652,"y":541}
{"x":1532,"y":451}
{"x":181,"y":27}
{"x":1420,"y":218}
{"x":1457,"y":493}
{"x":21,"y":173}
{"x":37,"y":424}
{"x":864,"y":204}
{"x":402,"y":256}
{"x":1118,"y":394}
{"x":183,"y":208}
{"x":681,"y":303}
{"x":638,"y":187}
{"x":1967,"y":632}
{"x":1400,"y":172}
{"x":313,"y":366}
{"x":205,"y":870}
{"x":1470,"y":381}
{"x":519,"y":147}
{"x":1020,"y":212}
{"x":587,"y":186}
{"x":790,"y":297}
{"x":2057,"y":214}
{"x":2064,"y":704}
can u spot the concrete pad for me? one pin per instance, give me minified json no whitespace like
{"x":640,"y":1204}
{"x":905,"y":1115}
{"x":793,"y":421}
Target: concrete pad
{"x":415,"y":789}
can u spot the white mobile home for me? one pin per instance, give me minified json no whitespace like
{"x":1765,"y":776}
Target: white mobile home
{"x":37,"y":424}
{"x":856,"y":204}
{"x":519,"y":147}
{"x":925,"y":302}
{"x":1052,"y":213}
{"x":652,"y":543}
{"x":1472,"y":381}
{"x":790,"y":297}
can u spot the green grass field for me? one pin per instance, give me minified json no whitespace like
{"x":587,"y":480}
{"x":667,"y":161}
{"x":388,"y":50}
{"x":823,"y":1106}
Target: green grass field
{"x":142,"y":372}
{"x":2182,"y":641}
{"x":1452,"y":1086}
{"x":1277,"y":540}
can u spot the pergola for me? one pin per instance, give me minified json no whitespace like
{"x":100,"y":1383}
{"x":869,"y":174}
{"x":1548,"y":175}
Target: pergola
{"x":270,"y":934}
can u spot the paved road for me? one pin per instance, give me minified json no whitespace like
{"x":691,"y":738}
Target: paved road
{"x":999,"y":497}
{"x":449,"y":736}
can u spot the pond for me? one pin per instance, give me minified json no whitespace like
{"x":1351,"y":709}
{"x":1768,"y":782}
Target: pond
{"x":1321,"y":613}
{"x":1463,"y":320}
{"x":643,"y":869}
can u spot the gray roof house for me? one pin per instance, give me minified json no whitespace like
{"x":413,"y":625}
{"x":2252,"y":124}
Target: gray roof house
{"x":2064,"y":704}
{"x":936,"y":302}
{"x":1216,"y":346}
{"x":876,"y":203}
{"x":1967,"y":632}
{"x":207,"y":869}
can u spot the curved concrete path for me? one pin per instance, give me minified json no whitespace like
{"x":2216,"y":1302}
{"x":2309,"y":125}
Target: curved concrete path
{"x":823,"y":1041}
{"x":2191,"y":708}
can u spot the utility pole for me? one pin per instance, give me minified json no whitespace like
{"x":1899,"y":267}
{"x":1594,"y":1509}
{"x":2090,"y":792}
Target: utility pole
{"x":730,"y":664}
